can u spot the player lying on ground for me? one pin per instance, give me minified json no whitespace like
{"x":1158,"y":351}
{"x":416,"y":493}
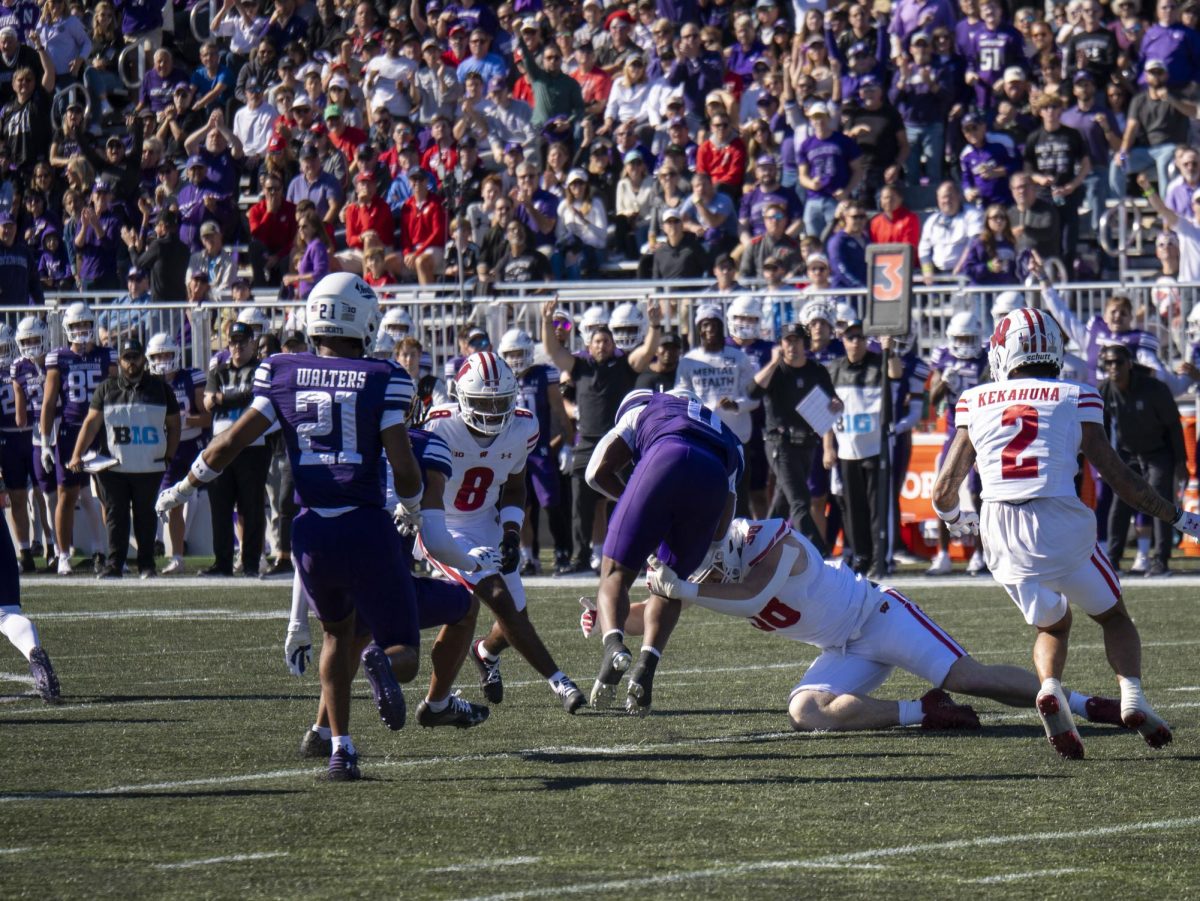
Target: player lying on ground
{"x":774,"y":577}
{"x":1025,"y":432}
{"x":339,"y":412}
{"x":679,"y":498}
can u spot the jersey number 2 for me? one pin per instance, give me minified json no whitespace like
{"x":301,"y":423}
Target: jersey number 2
{"x":1011,"y":464}
{"x":474,"y":489}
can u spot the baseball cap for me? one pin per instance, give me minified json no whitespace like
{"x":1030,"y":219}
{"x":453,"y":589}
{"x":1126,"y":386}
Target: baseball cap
{"x":816,"y":257}
{"x":1014,"y":73}
{"x":200,"y":274}
{"x":853,"y":323}
{"x":430,"y":42}
{"x":811,"y":41}
{"x":210,"y":228}
{"x":496,"y":83}
{"x":576,"y":175}
{"x":365,"y":176}
{"x":114,"y":139}
{"x":709,"y":311}
{"x":973,"y":119}
{"x":478,"y":339}
{"x":817,"y":109}
{"x":333,"y":111}
{"x":631,"y":156}
{"x":765,"y":4}
{"x":253,"y":85}
{"x":670,"y":339}
{"x":1083,"y":75}
{"x":676,"y":120}
{"x":514,"y":147}
{"x":793,"y":330}
{"x":339,"y":81}
{"x":239,"y":332}
{"x":100,"y":186}
{"x":277,"y":144}
{"x":240,"y":282}
{"x":530,"y":23}
{"x":1155,"y":64}
{"x":318,"y":129}
{"x":132,"y":347}
{"x":308,"y":151}
{"x":135,"y":272}
{"x":919,"y":36}
{"x":868,"y":81}
{"x":671,"y":213}
{"x":196,"y":160}
{"x":765,"y":160}
{"x":302,"y":100}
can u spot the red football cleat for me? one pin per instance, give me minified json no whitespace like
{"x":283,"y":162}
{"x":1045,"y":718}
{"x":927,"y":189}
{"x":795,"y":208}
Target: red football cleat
{"x":942,"y":713}
{"x":1060,"y":728}
{"x":1152,"y":727}
{"x":1106,"y":711}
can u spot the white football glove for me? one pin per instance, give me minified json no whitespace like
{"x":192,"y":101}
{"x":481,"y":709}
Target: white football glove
{"x":48,"y":458}
{"x":297,"y":648}
{"x":175,"y":496}
{"x":485,"y":557}
{"x":587,"y":619}
{"x":1188,"y":523}
{"x":566,"y":458}
{"x":966,"y":524}
{"x":666,"y":583}
{"x":952,"y":379}
{"x":408,"y":522}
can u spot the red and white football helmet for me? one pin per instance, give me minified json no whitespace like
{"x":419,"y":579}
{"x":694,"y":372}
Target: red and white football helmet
{"x":746,"y":542}
{"x":486,"y":390}
{"x":1024,"y":338}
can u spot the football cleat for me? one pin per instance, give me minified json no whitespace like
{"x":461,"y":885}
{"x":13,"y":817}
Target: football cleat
{"x":389,"y":699}
{"x":940,"y":566}
{"x":976,"y":566}
{"x":641,"y":685}
{"x":343,"y":766}
{"x":1060,"y":728}
{"x":44,"y":678}
{"x":570,"y":695}
{"x":1153,"y":728}
{"x":176,"y":567}
{"x":1141,"y":563}
{"x":616,"y":661}
{"x":99,"y":563}
{"x":459,"y":712}
{"x":489,"y":674}
{"x":1106,"y":711}
{"x":64,"y":565}
{"x":312,"y":745}
{"x":28,"y":564}
{"x":941,"y":712}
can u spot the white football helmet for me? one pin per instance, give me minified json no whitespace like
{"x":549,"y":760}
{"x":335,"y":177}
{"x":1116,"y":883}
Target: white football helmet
{"x":592,"y":317}
{"x":1193,"y":325}
{"x":628,"y":324}
{"x":1024,"y":338}
{"x":33,"y":338}
{"x":383,"y":347}
{"x":79,"y":322}
{"x":744,"y":544}
{"x":744,"y":317}
{"x":342,"y":305}
{"x":516,"y":347}
{"x":162,"y":353}
{"x":486,"y":390}
{"x":397,"y":322}
{"x":258,"y":321}
{"x":1005,"y":302}
{"x":902,"y":344}
{"x":8,"y":346}
{"x":687,"y":394}
{"x":818,"y":309}
{"x":966,"y":336}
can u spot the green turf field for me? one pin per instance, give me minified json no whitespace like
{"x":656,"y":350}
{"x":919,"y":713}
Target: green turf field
{"x":170,"y":770}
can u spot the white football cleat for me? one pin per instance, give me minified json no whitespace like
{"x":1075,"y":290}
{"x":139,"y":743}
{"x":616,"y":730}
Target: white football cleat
{"x":64,"y":565}
{"x":175,"y":567}
{"x":1152,"y":727}
{"x":975,"y":565}
{"x":1055,"y":713}
{"x":941,"y":565}
{"x":1141,"y":563}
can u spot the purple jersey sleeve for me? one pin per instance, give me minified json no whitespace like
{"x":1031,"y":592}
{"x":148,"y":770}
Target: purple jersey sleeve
{"x":667,"y":416}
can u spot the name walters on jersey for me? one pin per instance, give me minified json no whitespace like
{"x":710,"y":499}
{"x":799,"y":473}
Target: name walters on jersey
{"x":480,"y":472}
{"x":1026,"y":435}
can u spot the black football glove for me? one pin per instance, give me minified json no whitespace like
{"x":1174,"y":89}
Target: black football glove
{"x":510,"y":551}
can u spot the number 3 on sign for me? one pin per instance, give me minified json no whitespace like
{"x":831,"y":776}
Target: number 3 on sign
{"x":888,"y":285}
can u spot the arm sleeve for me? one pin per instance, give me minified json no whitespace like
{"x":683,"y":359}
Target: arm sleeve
{"x":440,"y":544}
{"x":747,"y":598}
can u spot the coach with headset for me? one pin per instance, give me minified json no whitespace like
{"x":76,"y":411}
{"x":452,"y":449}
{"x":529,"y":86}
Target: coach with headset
{"x":140,"y":417}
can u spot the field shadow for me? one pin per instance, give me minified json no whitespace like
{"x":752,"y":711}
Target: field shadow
{"x":694,"y":757}
{"x":572,"y":783}
{"x":190,"y":699}
{"x":42,"y":721}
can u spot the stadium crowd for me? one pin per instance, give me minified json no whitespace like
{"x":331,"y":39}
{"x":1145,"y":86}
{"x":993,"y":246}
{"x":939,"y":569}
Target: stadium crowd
{"x":760,"y":144}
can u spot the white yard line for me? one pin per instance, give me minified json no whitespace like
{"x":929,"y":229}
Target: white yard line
{"x":201,"y":614}
{"x":484,"y":864}
{"x":24,"y":679}
{"x":14,"y":850}
{"x":209,"y":861}
{"x":1014,"y":877}
{"x":853,"y":857}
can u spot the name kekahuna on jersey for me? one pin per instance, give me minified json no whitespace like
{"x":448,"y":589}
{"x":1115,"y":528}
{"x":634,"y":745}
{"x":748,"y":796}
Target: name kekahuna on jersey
{"x":1002,"y":396}
{"x":330,"y":378}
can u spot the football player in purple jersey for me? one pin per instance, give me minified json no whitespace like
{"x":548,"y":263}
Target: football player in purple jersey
{"x":72,"y":376}
{"x":16,"y":449}
{"x":339,"y":412}
{"x":28,"y":374}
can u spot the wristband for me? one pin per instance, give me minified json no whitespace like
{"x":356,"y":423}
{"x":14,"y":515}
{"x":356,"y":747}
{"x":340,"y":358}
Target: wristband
{"x":184,"y":487}
{"x":948,"y":516}
{"x":410,"y":503}
{"x":513,"y":515}
{"x":1180,"y":515}
{"x":202,"y":471}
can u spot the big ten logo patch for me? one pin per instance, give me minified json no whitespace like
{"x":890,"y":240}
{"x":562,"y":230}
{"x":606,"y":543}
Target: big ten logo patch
{"x":132,"y":434}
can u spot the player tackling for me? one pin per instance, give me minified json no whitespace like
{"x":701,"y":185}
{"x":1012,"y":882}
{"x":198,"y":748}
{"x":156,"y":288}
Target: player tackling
{"x":1026,"y":432}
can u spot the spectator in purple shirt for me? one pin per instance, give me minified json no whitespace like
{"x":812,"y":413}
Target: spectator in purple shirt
{"x":316,"y":246}
{"x":1174,"y":43}
{"x":537,"y":209}
{"x":159,"y":83}
{"x":198,"y":204}
{"x":831,"y":168}
{"x":316,"y":185}
{"x":909,"y":16}
{"x":986,"y":166}
{"x":747,"y":49}
{"x":695,"y":68}
{"x":141,"y":20}
{"x":1183,"y":187}
{"x":767,"y":190}
{"x":997,"y":47}
{"x":1098,"y":128}
{"x":97,"y":241}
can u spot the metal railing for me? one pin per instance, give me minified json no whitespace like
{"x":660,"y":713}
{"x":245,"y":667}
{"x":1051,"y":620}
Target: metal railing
{"x":439,"y":315}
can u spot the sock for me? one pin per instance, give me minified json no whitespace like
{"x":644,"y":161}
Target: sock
{"x":437,"y":706}
{"x":556,"y":678}
{"x":343,"y":741}
{"x":1078,"y":703}
{"x":646,"y":649}
{"x":24,"y":545}
{"x":616,"y":636}
{"x":526,"y":555}
{"x":18,"y":629}
{"x":324,"y":731}
{"x":1131,"y":694}
{"x":1052,"y":685}
{"x":1143,"y":545}
{"x":176,"y":558}
{"x":596,"y":549}
{"x":483,"y":652}
{"x":911,"y":713}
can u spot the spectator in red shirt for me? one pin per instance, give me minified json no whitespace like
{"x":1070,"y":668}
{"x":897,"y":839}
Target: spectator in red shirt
{"x":595,"y":82}
{"x":441,"y":156}
{"x":895,"y":223}
{"x":272,"y":233}
{"x":368,"y":212}
{"x":422,"y":230}
{"x":723,"y":157}
{"x":345,"y":138}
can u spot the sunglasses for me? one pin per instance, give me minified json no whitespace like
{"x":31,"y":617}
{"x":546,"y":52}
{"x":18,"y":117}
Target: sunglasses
{"x":1108,"y":362}
{"x":858,"y":336}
